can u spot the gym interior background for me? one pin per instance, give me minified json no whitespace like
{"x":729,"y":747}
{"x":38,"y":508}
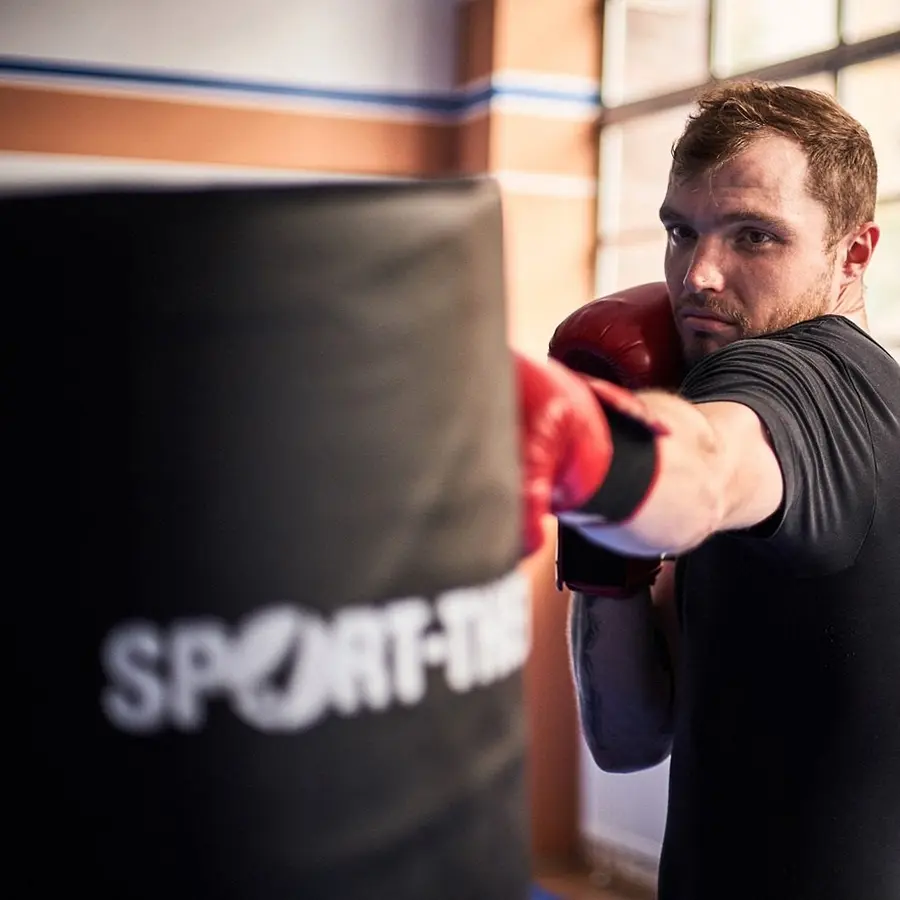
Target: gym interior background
{"x":572,"y":105}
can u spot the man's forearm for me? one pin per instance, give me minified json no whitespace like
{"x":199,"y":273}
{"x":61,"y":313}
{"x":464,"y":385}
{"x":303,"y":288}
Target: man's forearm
{"x":624,"y":680}
{"x":715,"y":471}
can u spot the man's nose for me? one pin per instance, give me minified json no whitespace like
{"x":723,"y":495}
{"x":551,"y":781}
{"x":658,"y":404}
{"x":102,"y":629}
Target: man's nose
{"x":705,"y":271}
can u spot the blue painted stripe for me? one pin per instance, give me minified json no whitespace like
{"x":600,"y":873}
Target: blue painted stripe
{"x":21,"y":66}
{"x":531,"y":92}
{"x":449,"y":103}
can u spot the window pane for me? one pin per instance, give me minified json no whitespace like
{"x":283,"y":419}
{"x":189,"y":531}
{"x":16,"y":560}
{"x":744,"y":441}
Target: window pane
{"x":634,"y":172}
{"x":883,"y":279}
{"x":625,"y":265}
{"x":869,"y":93}
{"x":747,"y":35}
{"x":869,"y":18}
{"x":652,"y":47}
{"x":821,"y":81}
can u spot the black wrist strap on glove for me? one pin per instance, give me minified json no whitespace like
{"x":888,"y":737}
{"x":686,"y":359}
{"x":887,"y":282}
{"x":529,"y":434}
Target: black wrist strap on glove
{"x":631,"y":473}
{"x":582,"y":565}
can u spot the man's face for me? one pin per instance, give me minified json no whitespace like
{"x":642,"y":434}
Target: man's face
{"x":747,"y":252}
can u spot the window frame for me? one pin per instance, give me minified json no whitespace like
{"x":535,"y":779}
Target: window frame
{"x":832,"y":60}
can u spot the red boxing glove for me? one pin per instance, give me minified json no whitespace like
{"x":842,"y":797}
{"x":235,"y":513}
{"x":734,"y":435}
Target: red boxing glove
{"x":569,"y":427}
{"x":566,"y":446}
{"x":630,"y":339}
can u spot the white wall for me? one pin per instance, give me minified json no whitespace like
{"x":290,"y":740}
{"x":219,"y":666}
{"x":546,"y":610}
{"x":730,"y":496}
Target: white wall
{"x":628,"y":811}
{"x":376,"y":52}
{"x":374,"y":45}
{"x":29,"y":171}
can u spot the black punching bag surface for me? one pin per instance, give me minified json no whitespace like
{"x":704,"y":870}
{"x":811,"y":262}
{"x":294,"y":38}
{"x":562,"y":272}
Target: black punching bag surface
{"x":262,"y":508}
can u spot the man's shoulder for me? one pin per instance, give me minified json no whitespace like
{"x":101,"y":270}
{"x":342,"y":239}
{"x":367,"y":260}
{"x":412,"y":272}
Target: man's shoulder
{"x":831,"y":331}
{"x":835,"y":347}
{"x":830,"y":346}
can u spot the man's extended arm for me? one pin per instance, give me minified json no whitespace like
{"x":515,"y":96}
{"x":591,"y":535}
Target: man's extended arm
{"x":716,"y":471}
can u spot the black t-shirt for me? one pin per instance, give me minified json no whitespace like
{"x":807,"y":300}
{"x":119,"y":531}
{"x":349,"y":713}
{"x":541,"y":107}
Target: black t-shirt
{"x":785,"y":772}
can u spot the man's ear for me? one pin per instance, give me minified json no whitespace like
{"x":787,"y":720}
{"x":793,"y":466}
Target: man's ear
{"x":858,"y":252}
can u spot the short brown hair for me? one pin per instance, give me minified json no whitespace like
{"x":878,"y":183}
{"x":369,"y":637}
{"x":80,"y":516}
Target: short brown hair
{"x":842,"y":172}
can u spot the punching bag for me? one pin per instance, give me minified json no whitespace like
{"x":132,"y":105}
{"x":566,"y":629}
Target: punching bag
{"x":264,"y":499}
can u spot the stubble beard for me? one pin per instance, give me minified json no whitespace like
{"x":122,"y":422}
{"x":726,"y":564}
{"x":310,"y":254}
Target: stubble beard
{"x":811,"y":304}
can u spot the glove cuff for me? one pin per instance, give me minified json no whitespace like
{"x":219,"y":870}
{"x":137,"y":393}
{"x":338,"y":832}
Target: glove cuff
{"x":591,"y":569}
{"x":632,"y":471}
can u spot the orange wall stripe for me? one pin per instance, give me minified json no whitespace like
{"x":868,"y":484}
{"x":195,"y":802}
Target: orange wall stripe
{"x":543,"y":144}
{"x":49,"y":120}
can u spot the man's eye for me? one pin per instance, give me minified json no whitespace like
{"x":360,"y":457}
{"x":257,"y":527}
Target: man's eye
{"x":680,"y":233}
{"x":756,"y":238}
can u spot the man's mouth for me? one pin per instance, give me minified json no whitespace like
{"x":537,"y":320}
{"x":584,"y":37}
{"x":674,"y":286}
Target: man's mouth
{"x":694,"y":312}
{"x":704,"y":319}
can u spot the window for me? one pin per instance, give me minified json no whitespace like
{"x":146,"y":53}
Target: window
{"x":659,"y":53}
{"x":864,"y":90}
{"x":869,"y":18}
{"x":883,"y":279}
{"x":870,"y":92}
{"x":749,"y":35}
{"x":671,"y":33}
{"x":632,"y":240}
{"x":640,"y":151}
{"x":821,"y":81}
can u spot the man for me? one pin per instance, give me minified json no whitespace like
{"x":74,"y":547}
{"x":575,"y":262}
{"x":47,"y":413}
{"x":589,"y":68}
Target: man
{"x":773,"y":479}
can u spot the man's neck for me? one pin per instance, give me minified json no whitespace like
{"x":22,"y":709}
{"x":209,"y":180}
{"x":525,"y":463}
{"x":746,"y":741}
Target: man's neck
{"x":852,"y":304}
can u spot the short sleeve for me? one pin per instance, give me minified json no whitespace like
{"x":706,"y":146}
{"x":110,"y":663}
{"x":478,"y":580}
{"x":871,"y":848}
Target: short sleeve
{"x":818,"y":427}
